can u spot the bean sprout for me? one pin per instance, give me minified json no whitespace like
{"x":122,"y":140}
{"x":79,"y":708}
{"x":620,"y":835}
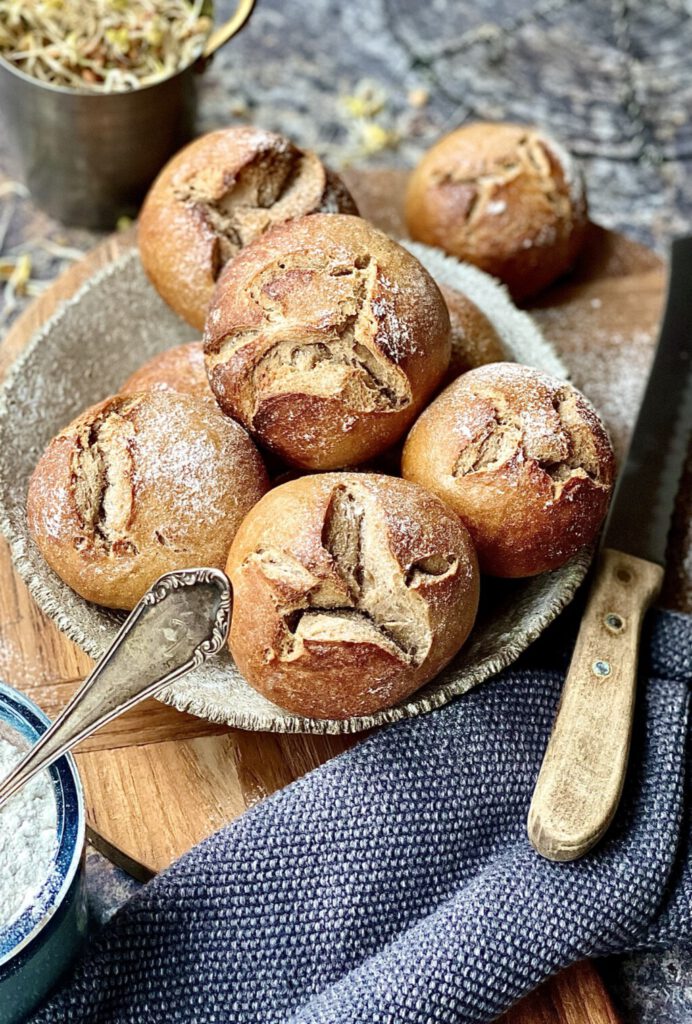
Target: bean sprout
{"x":103,"y":45}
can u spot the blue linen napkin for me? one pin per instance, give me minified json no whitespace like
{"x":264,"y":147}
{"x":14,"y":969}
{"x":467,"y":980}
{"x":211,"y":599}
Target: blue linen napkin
{"x":396,"y":883}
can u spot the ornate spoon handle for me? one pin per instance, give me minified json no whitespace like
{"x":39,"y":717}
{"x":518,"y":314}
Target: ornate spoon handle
{"x":180,"y":622}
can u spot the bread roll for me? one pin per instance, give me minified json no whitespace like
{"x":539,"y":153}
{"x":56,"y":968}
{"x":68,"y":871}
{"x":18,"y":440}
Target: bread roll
{"x":178,"y":369}
{"x":216,"y":195}
{"x":505,"y":197}
{"x":325,"y":339}
{"x":524,"y":460}
{"x":140,"y":485}
{"x":475,"y":341}
{"x":351,"y":590}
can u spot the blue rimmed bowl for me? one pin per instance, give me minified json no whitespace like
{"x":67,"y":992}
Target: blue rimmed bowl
{"x":38,"y":946}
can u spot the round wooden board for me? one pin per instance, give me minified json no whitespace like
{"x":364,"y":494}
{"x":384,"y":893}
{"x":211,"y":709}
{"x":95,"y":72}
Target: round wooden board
{"x":157,"y":781}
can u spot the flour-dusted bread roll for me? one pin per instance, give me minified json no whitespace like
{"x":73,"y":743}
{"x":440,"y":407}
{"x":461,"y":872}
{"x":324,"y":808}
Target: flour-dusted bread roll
{"x":505,"y":197}
{"x":523,"y":459}
{"x":140,"y":485}
{"x":216,"y":195}
{"x":475,"y":341}
{"x":180,"y":369}
{"x":351,"y":590}
{"x":325,"y":339}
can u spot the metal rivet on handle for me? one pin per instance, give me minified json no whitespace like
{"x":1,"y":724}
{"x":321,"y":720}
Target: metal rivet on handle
{"x":614,"y":622}
{"x":601,"y":668}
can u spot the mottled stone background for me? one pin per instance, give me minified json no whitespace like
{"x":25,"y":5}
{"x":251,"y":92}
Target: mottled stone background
{"x":376,"y":81}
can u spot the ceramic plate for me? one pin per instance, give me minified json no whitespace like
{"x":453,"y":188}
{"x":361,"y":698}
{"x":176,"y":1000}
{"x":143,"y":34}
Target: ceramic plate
{"x":89,"y":347}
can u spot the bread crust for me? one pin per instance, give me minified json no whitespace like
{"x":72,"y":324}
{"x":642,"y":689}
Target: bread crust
{"x":475,"y":341}
{"x":523,"y":459}
{"x":505,"y":197}
{"x":216,"y":195}
{"x":351,"y":590}
{"x":137,"y":486}
{"x":325,"y":338}
{"x":180,"y":369}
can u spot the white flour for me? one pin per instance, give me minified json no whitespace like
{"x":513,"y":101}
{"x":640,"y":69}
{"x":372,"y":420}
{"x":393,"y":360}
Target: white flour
{"x":28,"y":835}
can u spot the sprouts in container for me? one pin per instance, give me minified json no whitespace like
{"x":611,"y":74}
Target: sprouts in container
{"x":97,"y":95}
{"x":103,"y":45}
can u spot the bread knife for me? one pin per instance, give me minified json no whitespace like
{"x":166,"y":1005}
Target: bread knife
{"x":580,"y":781}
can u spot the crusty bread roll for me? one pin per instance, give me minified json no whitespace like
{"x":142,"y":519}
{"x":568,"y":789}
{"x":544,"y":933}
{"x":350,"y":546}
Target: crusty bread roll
{"x":506,"y":197}
{"x":524,"y":460}
{"x":351,"y":590}
{"x":325,"y":339}
{"x":475,"y":341}
{"x":218,"y":194}
{"x":180,"y":369}
{"x":140,"y":485}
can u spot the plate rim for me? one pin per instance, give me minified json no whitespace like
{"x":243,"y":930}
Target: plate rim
{"x":417,"y":703}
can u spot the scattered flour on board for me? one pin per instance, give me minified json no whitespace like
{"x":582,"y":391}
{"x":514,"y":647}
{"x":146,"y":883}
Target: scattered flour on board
{"x":28,"y":836}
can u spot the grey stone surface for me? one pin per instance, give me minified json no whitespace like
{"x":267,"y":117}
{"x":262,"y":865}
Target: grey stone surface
{"x":613,"y":79}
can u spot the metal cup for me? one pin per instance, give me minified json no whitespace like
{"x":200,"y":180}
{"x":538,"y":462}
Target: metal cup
{"x":88,"y":158}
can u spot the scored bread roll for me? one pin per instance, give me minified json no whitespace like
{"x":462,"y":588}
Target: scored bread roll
{"x":522,"y":458}
{"x":506,"y":197}
{"x":180,"y":369}
{"x":137,"y":486}
{"x":325,"y":339}
{"x":350,"y":591}
{"x":214,"y":197}
{"x":475,"y":341}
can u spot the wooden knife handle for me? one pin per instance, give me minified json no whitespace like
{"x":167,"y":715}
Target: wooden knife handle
{"x":583,"y":771}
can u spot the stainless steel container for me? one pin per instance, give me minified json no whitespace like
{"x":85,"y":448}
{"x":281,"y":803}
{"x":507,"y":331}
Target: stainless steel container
{"x":88,"y":158}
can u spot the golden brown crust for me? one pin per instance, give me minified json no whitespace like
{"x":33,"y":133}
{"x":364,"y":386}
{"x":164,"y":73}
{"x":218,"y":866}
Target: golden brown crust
{"x":522,"y":458}
{"x":216,"y":195}
{"x":180,"y":369}
{"x":139,"y":485}
{"x":475,"y":341}
{"x":351,"y":590}
{"x":325,"y":339}
{"x":505,"y":197}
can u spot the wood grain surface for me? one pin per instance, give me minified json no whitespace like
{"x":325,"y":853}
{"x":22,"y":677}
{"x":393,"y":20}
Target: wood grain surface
{"x":157,"y":781}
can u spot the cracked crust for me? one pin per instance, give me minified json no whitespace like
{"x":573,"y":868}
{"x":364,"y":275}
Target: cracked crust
{"x":475,"y":341}
{"x":180,"y":369}
{"x":215,"y":197}
{"x":525,"y":461}
{"x":140,"y":485}
{"x":325,"y":339}
{"x":350,"y":592}
{"x":505,"y":197}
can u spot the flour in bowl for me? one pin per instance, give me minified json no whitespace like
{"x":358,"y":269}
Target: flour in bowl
{"x":28,"y":834}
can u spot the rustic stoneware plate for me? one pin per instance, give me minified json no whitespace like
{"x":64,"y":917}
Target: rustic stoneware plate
{"x":90,"y":346}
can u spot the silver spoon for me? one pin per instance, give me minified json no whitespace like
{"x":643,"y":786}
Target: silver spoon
{"x":180,"y":623}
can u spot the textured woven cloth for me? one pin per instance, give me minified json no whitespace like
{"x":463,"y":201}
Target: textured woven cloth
{"x":396,"y":883}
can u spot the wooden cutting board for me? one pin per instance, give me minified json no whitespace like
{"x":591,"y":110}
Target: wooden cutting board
{"x":157,"y":781}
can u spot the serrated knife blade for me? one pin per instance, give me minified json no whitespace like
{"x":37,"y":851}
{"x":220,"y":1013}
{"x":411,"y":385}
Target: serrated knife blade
{"x":648,"y":482}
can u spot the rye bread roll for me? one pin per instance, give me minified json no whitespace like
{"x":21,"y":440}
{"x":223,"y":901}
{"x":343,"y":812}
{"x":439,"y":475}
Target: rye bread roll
{"x":325,"y":338}
{"x":180,"y":369}
{"x":351,"y":590}
{"x":475,"y":341}
{"x":140,"y":485}
{"x":218,"y":194}
{"x":505,"y":197}
{"x":522,"y":458}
